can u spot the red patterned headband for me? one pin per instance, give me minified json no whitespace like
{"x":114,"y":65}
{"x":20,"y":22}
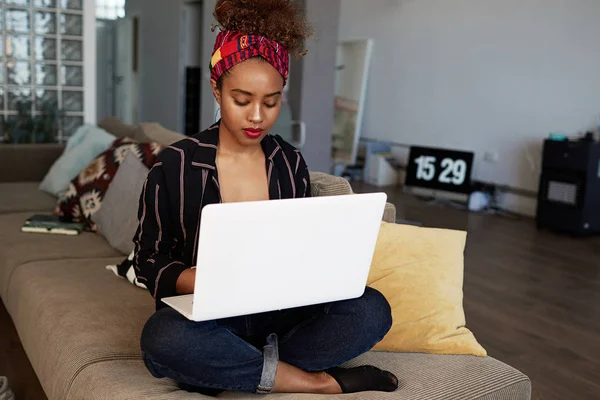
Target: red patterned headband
{"x":231,"y":48}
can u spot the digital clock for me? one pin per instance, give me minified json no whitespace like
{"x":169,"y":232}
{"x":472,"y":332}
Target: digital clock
{"x":439,"y":169}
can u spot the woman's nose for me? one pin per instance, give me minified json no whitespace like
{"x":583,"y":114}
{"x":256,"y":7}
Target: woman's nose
{"x":255,"y":116}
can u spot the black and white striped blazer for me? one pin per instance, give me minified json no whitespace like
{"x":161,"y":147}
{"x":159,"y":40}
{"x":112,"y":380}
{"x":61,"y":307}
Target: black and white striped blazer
{"x":183,"y":180}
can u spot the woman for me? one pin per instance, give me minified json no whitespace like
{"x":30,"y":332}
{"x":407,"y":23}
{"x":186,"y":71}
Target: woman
{"x":296,"y":350}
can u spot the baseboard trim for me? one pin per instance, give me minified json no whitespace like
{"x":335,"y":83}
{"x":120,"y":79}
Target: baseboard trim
{"x":517,"y":203}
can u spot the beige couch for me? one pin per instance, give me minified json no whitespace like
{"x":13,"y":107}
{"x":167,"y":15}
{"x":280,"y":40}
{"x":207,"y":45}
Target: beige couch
{"x":80,"y":325}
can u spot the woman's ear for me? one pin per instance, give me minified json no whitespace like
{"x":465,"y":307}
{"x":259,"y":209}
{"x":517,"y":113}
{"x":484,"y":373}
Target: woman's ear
{"x":216,"y":91}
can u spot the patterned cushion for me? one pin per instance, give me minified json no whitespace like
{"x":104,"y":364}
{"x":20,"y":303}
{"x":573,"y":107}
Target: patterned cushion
{"x":87,"y":190}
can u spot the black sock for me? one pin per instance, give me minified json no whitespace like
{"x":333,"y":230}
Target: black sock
{"x":201,"y":390}
{"x":363,"y":379}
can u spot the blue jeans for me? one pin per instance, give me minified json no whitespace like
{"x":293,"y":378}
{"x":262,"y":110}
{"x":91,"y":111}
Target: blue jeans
{"x":241,"y":353}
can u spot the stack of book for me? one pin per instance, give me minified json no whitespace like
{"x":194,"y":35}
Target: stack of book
{"x":52,"y":225}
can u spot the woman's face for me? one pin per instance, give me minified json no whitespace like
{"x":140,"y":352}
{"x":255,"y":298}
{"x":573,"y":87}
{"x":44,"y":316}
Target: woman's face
{"x":250,"y":100}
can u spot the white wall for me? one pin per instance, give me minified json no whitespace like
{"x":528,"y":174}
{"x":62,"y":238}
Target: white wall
{"x":161,"y":69}
{"x":208,"y":104}
{"x":483,"y":75}
{"x":349,"y":79}
{"x":105,"y":46}
{"x":193,"y":15}
{"x":312,"y":83}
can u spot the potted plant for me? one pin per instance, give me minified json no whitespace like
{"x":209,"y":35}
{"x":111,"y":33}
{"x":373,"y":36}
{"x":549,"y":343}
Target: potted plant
{"x":29,"y":128}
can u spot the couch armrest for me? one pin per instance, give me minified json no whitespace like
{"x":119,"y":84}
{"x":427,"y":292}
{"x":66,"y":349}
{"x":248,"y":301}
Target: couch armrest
{"x":27,"y":162}
{"x":389,"y":214}
{"x":323,"y":184}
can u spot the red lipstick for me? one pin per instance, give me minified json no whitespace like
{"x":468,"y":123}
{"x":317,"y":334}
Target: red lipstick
{"x":253,"y":133}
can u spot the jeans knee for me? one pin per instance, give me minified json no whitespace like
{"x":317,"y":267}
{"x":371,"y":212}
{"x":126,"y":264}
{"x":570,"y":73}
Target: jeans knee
{"x":150,"y":366}
{"x":157,"y":336}
{"x":377,"y":312}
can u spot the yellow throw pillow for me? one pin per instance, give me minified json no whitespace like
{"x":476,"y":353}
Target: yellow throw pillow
{"x":420,"y":272}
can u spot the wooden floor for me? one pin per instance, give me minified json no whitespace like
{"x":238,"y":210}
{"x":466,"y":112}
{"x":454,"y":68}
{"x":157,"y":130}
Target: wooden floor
{"x":532,"y":298}
{"x":14,"y":363}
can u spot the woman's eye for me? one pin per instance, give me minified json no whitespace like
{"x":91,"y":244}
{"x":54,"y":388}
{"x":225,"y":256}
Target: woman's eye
{"x":241,"y":104}
{"x":271,"y":105}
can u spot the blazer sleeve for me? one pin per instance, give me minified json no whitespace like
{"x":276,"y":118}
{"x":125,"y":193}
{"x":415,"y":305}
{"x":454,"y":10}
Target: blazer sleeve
{"x":302,"y":176}
{"x":155,"y":264}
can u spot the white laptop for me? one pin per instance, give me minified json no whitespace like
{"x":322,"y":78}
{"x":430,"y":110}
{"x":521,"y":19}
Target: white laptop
{"x":263,"y":256}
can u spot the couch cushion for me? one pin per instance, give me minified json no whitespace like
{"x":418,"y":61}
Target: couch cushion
{"x":118,"y":128}
{"x":117,"y":219}
{"x":156,"y":133}
{"x":421,"y":377}
{"x":18,"y":248}
{"x":80,"y":327}
{"x":435,"y":377}
{"x":420,"y":272}
{"x":129,"y":380}
{"x":82,"y":148}
{"x":24,"y":196}
{"x":73,"y":313}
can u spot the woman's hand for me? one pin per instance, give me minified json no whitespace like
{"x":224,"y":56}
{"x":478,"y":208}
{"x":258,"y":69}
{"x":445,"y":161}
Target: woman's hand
{"x":186,"y":281}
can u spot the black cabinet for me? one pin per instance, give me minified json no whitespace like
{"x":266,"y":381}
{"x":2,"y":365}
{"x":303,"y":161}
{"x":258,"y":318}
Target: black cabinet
{"x":569,"y":190}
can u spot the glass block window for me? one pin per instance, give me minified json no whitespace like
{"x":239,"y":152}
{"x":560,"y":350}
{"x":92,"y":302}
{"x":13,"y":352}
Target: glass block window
{"x":41,"y":69}
{"x":110,"y":9}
